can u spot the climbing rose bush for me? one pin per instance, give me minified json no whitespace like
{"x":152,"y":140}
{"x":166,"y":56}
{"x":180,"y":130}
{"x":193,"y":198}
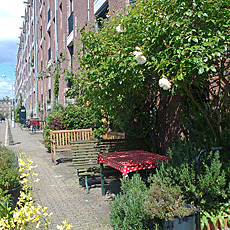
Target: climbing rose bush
{"x":187,"y":41}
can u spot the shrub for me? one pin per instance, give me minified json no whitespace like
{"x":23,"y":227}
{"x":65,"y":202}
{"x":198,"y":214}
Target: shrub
{"x":214,"y":179}
{"x":26,"y":215}
{"x":73,"y":116}
{"x":53,"y":122}
{"x":10,"y":175}
{"x":127,"y":211}
{"x":166,"y":200}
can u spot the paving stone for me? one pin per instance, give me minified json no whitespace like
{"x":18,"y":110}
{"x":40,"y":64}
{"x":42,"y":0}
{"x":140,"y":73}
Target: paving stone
{"x":58,"y":188}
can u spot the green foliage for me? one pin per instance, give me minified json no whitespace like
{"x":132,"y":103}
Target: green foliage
{"x":9,"y":177}
{"x":72,"y":116}
{"x":185,"y":41}
{"x":216,"y":217}
{"x":165,"y":199}
{"x":56,"y":71}
{"x":4,"y":204}
{"x":214,"y":180}
{"x":173,"y":186}
{"x":16,"y":115}
{"x":141,"y":207}
{"x":53,"y":122}
{"x":127,"y":211}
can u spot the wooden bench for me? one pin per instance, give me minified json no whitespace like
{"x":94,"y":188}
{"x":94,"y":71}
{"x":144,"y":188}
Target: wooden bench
{"x":60,"y":139}
{"x":85,"y":153}
{"x":114,"y":135}
{"x":84,"y":157}
{"x":117,"y":145}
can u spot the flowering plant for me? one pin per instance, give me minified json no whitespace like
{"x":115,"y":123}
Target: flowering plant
{"x":164,"y":83}
{"x":118,"y":29}
{"x":26,"y":215}
{"x":139,"y":57}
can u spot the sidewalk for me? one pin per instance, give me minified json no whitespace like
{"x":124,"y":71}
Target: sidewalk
{"x":58,"y":187}
{"x":2,"y":133}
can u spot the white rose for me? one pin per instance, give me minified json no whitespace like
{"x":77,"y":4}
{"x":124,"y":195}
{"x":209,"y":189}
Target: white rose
{"x":137,"y":53}
{"x":164,"y":83}
{"x":118,"y":29}
{"x":137,"y":48}
{"x":140,"y":58}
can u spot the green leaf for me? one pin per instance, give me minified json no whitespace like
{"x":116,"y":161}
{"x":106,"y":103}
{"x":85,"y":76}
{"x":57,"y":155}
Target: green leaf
{"x":213,"y":68}
{"x":195,"y":39}
{"x":201,"y":70}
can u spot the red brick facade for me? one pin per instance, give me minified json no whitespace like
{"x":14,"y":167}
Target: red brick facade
{"x":51,"y":29}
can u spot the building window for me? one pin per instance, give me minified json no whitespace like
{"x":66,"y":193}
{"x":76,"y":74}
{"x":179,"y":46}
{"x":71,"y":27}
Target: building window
{"x":41,"y":31}
{"x":70,"y":48}
{"x":48,"y":15}
{"x":70,"y":23}
{"x":102,"y":14}
{"x":49,"y":93}
{"x":49,"y":53}
{"x":71,"y":6}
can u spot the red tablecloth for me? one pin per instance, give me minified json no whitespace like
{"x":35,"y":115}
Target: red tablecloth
{"x":130,"y":161}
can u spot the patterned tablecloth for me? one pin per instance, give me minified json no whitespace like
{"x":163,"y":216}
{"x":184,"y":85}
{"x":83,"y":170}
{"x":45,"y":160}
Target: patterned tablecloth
{"x":130,"y":161}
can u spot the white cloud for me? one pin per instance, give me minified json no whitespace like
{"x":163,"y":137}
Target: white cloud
{"x":10,"y":18}
{"x":6,"y":74}
{"x":5,"y":89}
{"x":10,"y":23}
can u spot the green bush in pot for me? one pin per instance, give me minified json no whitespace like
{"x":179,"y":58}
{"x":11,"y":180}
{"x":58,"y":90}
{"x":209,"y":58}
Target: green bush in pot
{"x":164,"y":200}
{"x":127,"y":211}
{"x":10,"y":175}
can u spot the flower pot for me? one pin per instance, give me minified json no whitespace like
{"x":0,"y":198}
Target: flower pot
{"x":187,"y":222}
{"x":15,"y":193}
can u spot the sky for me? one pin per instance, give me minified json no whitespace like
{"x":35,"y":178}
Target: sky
{"x":10,"y":23}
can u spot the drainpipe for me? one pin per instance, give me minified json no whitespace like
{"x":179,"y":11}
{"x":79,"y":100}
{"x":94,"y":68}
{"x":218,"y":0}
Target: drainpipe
{"x":35,"y":58}
{"x":88,"y":10}
{"x":56,"y":35}
{"x":56,"y":31}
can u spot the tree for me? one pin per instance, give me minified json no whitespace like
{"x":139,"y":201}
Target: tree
{"x":158,"y":48}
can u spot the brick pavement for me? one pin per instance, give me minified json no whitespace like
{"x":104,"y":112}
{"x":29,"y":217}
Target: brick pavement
{"x":58,"y":187}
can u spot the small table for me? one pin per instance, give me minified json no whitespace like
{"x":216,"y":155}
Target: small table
{"x":129,"y":161}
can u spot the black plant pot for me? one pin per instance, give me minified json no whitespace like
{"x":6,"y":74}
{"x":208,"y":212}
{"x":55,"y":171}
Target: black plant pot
{"x":15,"y":193}
{"x":185,"y":223}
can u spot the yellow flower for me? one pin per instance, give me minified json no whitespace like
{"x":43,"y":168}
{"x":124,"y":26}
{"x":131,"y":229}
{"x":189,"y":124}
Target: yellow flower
{"x":104,"y":120}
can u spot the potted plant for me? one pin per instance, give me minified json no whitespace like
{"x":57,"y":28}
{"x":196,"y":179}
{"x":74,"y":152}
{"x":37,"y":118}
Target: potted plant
{"x":166,"y":204}
{"x":216,"y":219}
{"x":10,"y":175}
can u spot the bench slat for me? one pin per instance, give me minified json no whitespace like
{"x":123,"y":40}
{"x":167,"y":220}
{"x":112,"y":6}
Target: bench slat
{"x":60,"y":139}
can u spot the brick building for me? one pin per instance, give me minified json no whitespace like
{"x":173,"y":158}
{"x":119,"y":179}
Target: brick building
{"x":5,"y":106}
{"x":50,"y":31}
